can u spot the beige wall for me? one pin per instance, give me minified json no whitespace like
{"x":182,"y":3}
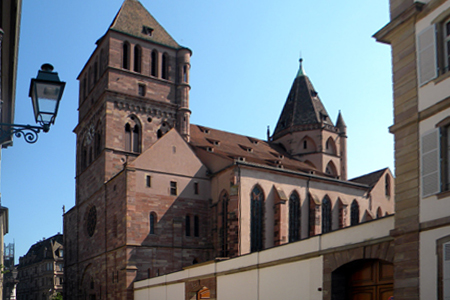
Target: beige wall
{"x":297,"y":268}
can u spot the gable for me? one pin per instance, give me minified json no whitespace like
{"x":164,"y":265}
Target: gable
{"x":171,"y":154}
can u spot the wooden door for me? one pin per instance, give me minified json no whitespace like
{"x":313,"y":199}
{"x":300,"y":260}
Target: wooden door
{"x":371,"y":280}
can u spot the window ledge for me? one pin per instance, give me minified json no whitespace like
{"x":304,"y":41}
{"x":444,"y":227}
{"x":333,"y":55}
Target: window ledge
{"x":442,"y":195}
{"x":441,"y":77}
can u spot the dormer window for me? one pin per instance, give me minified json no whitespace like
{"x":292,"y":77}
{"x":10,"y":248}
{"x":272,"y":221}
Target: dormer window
{"x":147,"y":30}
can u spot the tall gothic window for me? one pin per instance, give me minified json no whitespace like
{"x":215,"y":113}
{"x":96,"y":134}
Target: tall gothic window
{"x":165,"y":66}
{"x":326,"y":215}
{"x":257,"y":222}
{"x":137,"y":58}
{"x":354,"y":213}
{"x":387,"y":185}
{"x":223,"y":233}
{"x":154,"y":63}
{"x":126,"y":55}
{"x":294,"y":217}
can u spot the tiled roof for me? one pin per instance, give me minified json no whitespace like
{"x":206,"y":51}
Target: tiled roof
{"x":232,"y":146}
{"x":41,"y":250}
{"x":302,"y":107}
{"x":370,"y":179}
{"x":135,"y":20}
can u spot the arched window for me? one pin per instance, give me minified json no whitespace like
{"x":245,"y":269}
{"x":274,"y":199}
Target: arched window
{"x":152,"y":222}
{"x":223,"y":223}
{"x":196,"y":226}
{"x":354,"y":213}
{"x":188,"y":225}
{"x":294,"y":217}
{"x":330,"y":146}
{"x":387,"y":185}
{"x":137,"y":58}
{"x":132,"y":135}
{"x":165,"y":66}
{"x":307,"y":145}
{"x":154,"y":63}
{"x":326,"y":215}
{"x":331,"y":169}
{"x":126,"y":55}
{"x":257,"y":222}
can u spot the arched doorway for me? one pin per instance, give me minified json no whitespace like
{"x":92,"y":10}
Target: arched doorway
{"x":366,"y":279}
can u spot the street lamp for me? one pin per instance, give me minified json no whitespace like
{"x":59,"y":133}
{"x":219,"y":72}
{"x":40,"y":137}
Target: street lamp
{"x":45,"y":91}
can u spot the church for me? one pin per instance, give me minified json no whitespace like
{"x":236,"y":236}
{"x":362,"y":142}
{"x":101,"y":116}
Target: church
{"x":156,"y":194}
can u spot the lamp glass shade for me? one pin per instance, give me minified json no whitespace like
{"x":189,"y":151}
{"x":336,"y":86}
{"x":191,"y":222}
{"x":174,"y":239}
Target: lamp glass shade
{"x":46,"y":96}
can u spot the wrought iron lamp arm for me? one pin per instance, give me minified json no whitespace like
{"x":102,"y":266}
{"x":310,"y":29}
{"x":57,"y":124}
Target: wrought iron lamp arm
{"x":30,"y":133}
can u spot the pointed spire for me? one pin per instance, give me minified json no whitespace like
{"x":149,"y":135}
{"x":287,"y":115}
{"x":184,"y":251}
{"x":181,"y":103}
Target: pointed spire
{"x":301,"y":72}
{"x":340,"y":124}
{"x":302,"y":107}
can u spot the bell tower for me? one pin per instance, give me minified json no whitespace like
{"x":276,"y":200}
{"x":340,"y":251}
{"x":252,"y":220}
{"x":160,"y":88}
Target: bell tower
{"x":306,"y":131}
{"x":133,"y":89}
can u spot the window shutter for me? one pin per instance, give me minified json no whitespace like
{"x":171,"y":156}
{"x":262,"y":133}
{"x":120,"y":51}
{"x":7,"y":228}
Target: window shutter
{"x":430,"y":158}
{"x":427,"y":63}
{"x":446,"y":270}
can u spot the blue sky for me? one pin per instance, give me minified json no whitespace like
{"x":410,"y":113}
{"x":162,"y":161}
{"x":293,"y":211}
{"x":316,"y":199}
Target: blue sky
{"x":245,"y":58}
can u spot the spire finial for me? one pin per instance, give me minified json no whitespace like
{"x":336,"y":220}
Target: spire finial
{"x":301,"y":72}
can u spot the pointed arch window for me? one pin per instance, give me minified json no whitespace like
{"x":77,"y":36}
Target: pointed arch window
{"x":330,"y":146}
{"x":387,"y":185}
{"x":126,"y":55}
{"x":154,"y":63}
{"x":354,"y":213}
{"x":294,"y":217}
{"x":326,"y":215}
{"x":137,"y":58}
{"x":257,"y":222}
{"x":223,"y":225}
{"x":331,"y":169}
{"x":165,"y":66}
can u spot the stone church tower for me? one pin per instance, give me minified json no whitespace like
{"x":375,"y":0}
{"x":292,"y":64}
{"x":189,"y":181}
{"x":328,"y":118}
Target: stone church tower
{"x":133,"y":90}
{"x":306,"y":131}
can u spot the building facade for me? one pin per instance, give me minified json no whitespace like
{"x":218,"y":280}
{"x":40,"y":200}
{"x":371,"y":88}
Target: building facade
{"x":41,"y":271}
{"x":419,"y":34}
{"x":156,"y":194}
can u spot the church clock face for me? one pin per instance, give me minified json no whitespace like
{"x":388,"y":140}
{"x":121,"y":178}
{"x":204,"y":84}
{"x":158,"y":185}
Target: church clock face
{"x":91,"y":221}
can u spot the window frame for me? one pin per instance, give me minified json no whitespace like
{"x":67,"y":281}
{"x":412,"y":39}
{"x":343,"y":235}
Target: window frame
{"x":173,"y":188}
